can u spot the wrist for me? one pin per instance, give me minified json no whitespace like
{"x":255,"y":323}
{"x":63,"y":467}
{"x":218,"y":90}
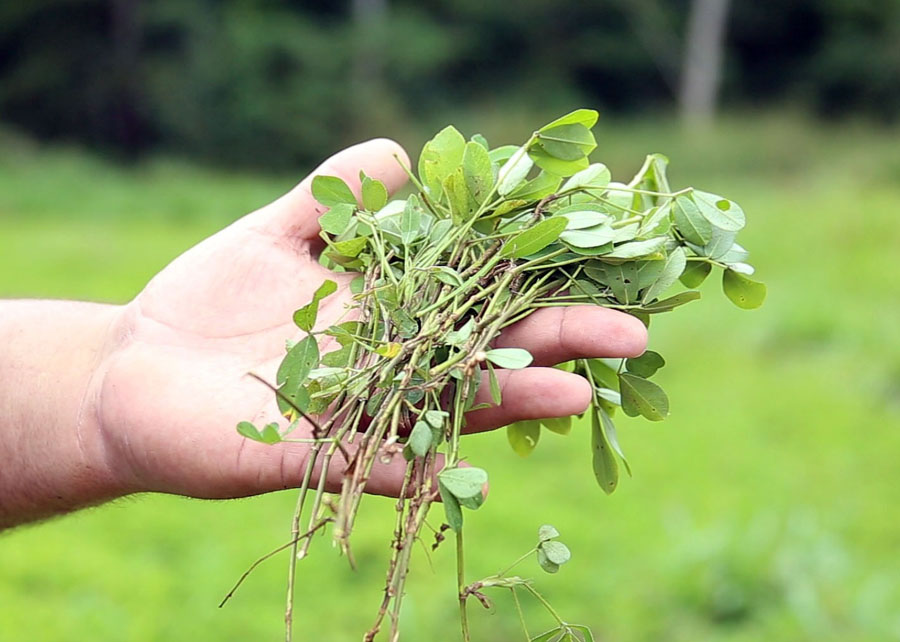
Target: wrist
{"x":55,"y":457}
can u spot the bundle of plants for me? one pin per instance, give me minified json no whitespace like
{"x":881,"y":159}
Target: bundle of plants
{"x":489,"y":237}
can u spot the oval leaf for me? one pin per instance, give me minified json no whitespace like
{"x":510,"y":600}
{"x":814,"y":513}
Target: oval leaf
{"x":514,"y":171}
{"x":645,"y":365}
{"x":331,"y":191}
{"x":374,"y":194}
{"x":420,"y":438}
{"x":744,"y":293}
{"x":721,"y":212}
{"x":559,"y":425}
{"x":547,"y":532}
{"x":556,"y":552}
{"x":463,"y":482}
{"x":695,"y":273}
{"x":509,"y":358}
{"x":606,"y":470}
{"x":534,"y":238}
{"x":690,"y":222}
{"x":642,"y":397}
{"x":523,"y":436}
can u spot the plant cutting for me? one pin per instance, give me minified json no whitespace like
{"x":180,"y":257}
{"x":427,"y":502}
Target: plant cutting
{"x":490,"y":236}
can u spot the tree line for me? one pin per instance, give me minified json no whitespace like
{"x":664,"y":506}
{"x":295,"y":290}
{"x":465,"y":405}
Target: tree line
{"x":273,"y":83}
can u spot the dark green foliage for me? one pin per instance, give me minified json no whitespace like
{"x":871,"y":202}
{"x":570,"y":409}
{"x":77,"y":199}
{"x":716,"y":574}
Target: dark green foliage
{"x":280,"y":84}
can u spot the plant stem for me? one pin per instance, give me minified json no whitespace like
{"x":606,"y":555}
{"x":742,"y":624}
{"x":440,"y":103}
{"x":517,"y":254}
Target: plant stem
{"x":461,"y":583}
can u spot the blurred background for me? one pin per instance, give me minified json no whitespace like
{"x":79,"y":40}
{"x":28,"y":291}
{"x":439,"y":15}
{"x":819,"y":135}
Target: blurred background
{"x":762,"y":509}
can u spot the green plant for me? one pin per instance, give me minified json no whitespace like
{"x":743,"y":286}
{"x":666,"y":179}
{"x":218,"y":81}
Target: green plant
{"x":491,"y":236}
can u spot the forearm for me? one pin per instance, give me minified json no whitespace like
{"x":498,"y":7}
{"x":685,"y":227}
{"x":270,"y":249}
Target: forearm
{"x":52,"y":458}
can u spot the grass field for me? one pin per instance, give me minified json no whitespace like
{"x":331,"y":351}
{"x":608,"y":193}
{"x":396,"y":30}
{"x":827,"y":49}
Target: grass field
{"x":761,"y":510}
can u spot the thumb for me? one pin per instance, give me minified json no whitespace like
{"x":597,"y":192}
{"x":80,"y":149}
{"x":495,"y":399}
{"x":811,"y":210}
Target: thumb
{"x":296,"y":213}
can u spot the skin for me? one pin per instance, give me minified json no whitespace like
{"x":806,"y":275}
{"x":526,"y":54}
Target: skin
{"x":101,"y":401}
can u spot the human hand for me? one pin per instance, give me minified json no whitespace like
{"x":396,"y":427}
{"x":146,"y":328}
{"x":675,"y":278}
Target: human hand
{"x":174,"y":383}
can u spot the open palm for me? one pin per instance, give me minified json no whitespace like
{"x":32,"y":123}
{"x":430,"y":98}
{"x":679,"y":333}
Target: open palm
{"x":176,"y":382}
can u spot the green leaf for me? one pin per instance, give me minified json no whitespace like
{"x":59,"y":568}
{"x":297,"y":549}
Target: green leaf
{"x":720,"y":243}
{"x":436,"y":418}
{"x":605,"y":371}
{"x":695,"y":273}
{"x":690,"y":222}
{"x":736,"y":254}
{"x":559,"y":425}
{"x":439,"y":230}
{"x":459,"y":337}
{"x":294,"y":371}
{"x":547,"y":636}
{"x":477,"y":171}
{"x":513,"y":171}
{"x":407,"y":327}
{"x":673,"y":267}
{"x":350,"y":247}
{"x":337,"y":218}
{"x":586,"y":634}
{"x":410,"y":221}
{"x":657,"y":222}
{"x":555,"y":165}
{"x":496,"y":395}
{"x":446,"y":275}
{"x":420,"y":438}
{"x":451,"y":508}
{"x":606,"y":470}
{"x":596,"y":236}
{"x":338,"y":358}
{"x":556,"y":552}
{"x":609,"y":430}
{"x":671,"y":303}
{"x":374,"y":194}
{"x":472,"y":503}
{"x":622,"y":279}
{"x":547,"y":532}
{"x":523,"y":436}
{"x":458,"y":195}
{"x":583,"y":215}
{"x":331,"y":191}
{"x":463,"y":482}
{"x":502,"y":154}
{"x":248,"y":430}
{"x":546,"y":563}
{"x":534,"y":238}
{"x":636,"y":249}
{"x":299,"y":361}
{"x":642,"y":397}
{"x":542,"y":185}
{"x":567,"y":142}
{"x":721,"y":212}
{"x":645,"y":365}
{"x":440,"y":157}
{"x":584,"y":117}
{"x":508,"y":207}
{"x":305,"y":317}
{"x":610,"y":395}
{"x":270,"y":434}
{"x":596,"y":175}
{"x":744,"y":293}
{"x":509,"y":358}
{"x":481,"y":140}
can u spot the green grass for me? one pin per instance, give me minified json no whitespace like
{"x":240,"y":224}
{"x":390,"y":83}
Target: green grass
{"x":762,"y":509}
